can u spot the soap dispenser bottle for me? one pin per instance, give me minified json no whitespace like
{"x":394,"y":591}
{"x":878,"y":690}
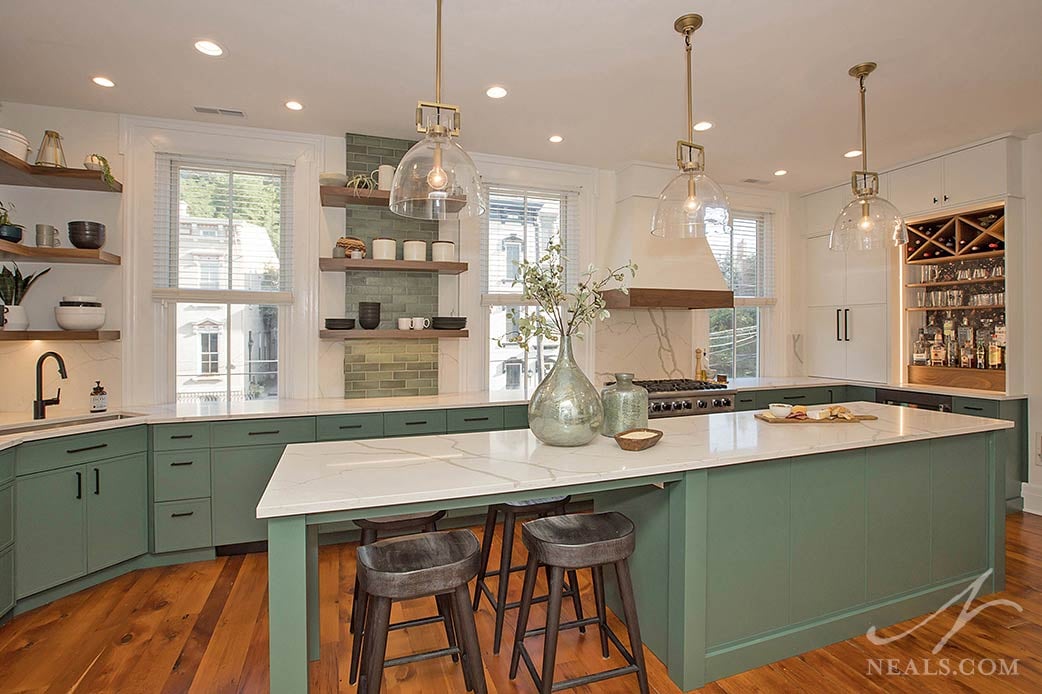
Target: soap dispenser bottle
{"x":99,"y":399}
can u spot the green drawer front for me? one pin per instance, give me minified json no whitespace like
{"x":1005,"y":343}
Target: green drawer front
{"x":6,"y":515}
{"x":414,"y":423}
{"x":257,"y":432}
{"x":181,"y":475}
{"x":976,"y":407}
{"x":81,"y":448}
{"x":515,"y":417}
{"x":182,"y":525}
{"x":349,"y":426}
{"x":743,"y":402}
{"x":474,"y":419}
{"x":177,"y":437}
{"x":6,"y":465}
{"x":792,"y":396}
{"x":6,"y":581}
{"x":866,"y":393}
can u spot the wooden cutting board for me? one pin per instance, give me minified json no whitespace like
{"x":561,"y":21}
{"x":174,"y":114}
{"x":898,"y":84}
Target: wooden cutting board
{"x":771,"y":419}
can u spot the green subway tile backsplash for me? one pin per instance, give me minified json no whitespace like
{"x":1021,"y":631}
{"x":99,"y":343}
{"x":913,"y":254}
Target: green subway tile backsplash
{"x":372,"y":368}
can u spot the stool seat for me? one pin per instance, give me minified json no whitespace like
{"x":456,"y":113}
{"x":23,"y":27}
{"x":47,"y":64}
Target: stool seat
{"x":402,"y":523}
{"x":580,"y":540}
{"x":414,"y":566}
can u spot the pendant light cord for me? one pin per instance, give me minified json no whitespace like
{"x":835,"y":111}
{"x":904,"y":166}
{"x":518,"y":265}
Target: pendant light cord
{"x":437,"y":61}
{"x":864,"y":134}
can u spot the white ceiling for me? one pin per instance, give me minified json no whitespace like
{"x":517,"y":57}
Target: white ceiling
{"x":606,"y":75}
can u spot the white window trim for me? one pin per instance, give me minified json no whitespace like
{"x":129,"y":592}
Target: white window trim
{"x":463,"y":364}
{"x":147,"y":354}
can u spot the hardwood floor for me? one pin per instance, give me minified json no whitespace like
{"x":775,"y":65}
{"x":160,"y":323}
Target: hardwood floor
{"x":203,"y":628}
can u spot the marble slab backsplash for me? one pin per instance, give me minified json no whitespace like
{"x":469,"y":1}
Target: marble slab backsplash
{"x":85,"y":363}
{"x":651,"y":343}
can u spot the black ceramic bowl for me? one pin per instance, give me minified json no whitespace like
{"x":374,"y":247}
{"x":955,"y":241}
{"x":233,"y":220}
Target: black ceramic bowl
{"x":11,"y":232}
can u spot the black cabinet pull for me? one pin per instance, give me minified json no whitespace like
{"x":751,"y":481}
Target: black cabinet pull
{"x":180,"y":463}
{"x":972,"y":408}
{"x":794,"y":397}
{"x":946,"y":198}
{"x":97,"y":481}
{"x":935,"y":200}
{"x":79,"y":485}
{"x":350,"y":426}
{"x":419,"y":421}
{"x":846,"y":324}
{"x":177,"y":437}
{"x":87,"y":448}
{"x":264,"y":433}
{"x":475,"y":419}
{"x":182,"y":515}
{"x":837,"y":325}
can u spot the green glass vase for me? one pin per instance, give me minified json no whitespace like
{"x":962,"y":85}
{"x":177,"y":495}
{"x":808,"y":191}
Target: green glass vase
{"x":565,"y":409}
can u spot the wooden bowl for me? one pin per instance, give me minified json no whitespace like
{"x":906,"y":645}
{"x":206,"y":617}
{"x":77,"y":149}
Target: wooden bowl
{"x":634,"y":444}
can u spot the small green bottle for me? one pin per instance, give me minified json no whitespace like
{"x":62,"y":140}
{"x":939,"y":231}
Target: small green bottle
{"x":625,"y":405}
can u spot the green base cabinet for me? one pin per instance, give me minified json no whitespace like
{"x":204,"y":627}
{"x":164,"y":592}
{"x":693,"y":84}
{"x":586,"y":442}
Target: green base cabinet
{"x":1013,"y":443}
{"x":6,"y":580}
{"x":117,"y":511}
{"x":239,"y":476}
{"x":181,"y":525}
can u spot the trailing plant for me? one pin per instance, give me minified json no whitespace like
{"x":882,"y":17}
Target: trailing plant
{"x":5,"y":218}
{"x":562,"y":313}
{"x":106,"y":171}
{"x":15,"y":285}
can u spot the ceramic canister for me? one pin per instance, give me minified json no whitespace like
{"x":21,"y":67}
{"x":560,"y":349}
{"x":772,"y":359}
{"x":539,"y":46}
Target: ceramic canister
{"x":443,"y":251}
{"x":384,"y":249}
{"x":414,"y":250}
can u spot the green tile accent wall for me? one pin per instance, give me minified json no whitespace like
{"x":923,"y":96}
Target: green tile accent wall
{"x":381,"y":368}
{"x":388,"y":367}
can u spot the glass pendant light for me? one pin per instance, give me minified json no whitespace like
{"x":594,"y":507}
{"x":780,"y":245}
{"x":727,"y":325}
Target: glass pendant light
{"x":436,"y":179}
{"x":868,"y":222}
{"x":692,"y":200}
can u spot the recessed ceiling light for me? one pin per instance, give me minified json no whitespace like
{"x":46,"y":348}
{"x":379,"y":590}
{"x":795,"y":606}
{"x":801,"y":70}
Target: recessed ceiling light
{"x":703,"y":125}
{"x":780,"y":172}
{"x":294,"y":106}
{"x":103,"y":81}
{"x":556,"y":138}
{"x":210,"y":48}
{"x":853,"y":153}
{"x":496,"y":92}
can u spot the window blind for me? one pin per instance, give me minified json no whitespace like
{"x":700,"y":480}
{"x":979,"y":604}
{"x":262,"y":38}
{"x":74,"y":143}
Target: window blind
{"x":746,"y":255}
{"x":519,"y":225}
{"x":223,"y":231}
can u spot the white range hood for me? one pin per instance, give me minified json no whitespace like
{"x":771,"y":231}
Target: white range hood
{"x":671,"y":273}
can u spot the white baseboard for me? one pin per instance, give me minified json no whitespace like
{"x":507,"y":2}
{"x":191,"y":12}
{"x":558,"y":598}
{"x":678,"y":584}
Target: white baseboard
{"x":1032,"y":494}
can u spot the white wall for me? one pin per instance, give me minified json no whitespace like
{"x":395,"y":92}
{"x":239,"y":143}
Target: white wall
{"x":1032,"y":326}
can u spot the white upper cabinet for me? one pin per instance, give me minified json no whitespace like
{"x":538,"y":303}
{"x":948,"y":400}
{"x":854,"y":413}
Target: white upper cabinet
{"x":822,"y":208}
{"x":918,"y":187}
{"x":974,"y":174}
{"x":826,"y":274}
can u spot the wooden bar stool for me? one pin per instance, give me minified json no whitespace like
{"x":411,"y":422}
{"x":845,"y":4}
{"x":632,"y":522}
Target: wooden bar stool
{"x":436,"y":564}
{"x":511,"y":510}
{"x":372,"y":528}
{"x":579,"y":541}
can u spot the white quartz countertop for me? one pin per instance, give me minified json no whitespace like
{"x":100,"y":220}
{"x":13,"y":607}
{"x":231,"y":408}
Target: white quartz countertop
{"x":811,"y":381}
{"x":346,"y":475}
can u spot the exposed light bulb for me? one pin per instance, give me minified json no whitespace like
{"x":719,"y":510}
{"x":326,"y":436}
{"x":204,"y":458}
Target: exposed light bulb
{"x":866,"y":224}
{"x":692,"y":204}
{"x":437,"y":178}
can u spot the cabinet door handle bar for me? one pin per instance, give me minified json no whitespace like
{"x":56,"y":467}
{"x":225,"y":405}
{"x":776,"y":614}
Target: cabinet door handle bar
{"x":79,"y":485}
{"x":177,"y":437}
{"x":350,"y":426}
{"x":97,"y":481}
{"x":87,"y":448}
{"x":182,"y":515}
{"x":181,"y":462}
{"x":475,"y":419}
{"x":264,"y":433}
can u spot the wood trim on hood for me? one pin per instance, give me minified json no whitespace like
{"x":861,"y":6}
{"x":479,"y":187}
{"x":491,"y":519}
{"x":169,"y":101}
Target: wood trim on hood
{"x":639,"y":297}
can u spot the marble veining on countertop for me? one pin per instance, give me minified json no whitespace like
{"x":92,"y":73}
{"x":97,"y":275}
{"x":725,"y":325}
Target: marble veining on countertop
{"x":344,"y":475}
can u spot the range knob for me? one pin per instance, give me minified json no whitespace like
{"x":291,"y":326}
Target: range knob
{"x":656,"y":407}
{"x":686,"y":405}
{"x":677,"y":405}
{"x":717,"y":402}
{"x":726,"y":402}
{"x":702,"y":404}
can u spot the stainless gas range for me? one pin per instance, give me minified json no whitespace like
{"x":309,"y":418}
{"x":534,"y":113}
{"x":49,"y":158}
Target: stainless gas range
{"x":677,"y":397}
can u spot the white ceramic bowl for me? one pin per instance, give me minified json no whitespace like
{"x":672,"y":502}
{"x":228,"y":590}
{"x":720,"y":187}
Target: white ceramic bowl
{"x":14,"y":143}
{"x":80,"y":317}
{"x":332,"y":178}
{"x":780,"y":409}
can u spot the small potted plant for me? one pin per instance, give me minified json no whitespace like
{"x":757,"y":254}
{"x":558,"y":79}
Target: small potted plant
{"x":8,"y":231}
{"x":13,"y":288}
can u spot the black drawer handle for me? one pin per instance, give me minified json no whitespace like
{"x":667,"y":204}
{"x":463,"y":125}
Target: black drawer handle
{"x":971,"y":408}
{"x":177,"y":437}
{"x":420,"y":421}
{"x":181,"y":462}
{"x":182,"y":515}
{"x":264,"y":433}
{"x":350,"y":426}
{"x":794,"y":397}
{"x":87,"y":448}
{"x":475,"y":419}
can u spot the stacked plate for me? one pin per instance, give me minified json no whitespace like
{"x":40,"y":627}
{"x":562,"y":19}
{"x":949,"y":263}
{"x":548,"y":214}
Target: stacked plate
{"x":340,"y":324}
{"x":87,"y":234}
{"x":449,"y":322}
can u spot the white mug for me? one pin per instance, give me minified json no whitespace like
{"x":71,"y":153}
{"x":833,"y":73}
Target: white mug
{"x":47,"y":236}
{"x":383,"y":176}
{"x":421,"y":323}
{"x":414,"y":250}
{"x":405,"y":323}
{"x":443,"y":251}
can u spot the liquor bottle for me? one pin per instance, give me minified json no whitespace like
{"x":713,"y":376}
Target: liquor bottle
{"x":921,"y":350}
{"x":965,"y":332}
{"x":996,"y":350}
{"x":938,"y":354}
{"x":981,"y":356}
{"x":966,"y":355}
{"x":951,"y":348}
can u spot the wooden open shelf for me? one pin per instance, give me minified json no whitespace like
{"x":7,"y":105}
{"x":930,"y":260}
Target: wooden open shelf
{"x":953,"y":377}
{"x":360,"y":334}
{"x":999,"y":307}
{"x":66,"y":335}
{"x":15,"y":172}
{"x":350,"y":265}
{"x":955,"y":283}
{"x":338,"y":196}
{"x":36,"y":254}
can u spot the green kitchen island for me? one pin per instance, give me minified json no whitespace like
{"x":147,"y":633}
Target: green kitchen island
{"x":756,"y":541}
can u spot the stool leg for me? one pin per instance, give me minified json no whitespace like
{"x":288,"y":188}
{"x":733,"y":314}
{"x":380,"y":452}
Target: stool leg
{"x":368,"y":537}
{"x":486,"y":550}
{"x":577,"y":602}
{"x":602,"y":613}
{"x":553,"y":623}
{"x":504,"y":578}
{"x":377,"y":622}
{"x":358,"y":616}
{"x":531,"y":571}
{"x":469,"y":636}
{"x":629,"y":609}
{"x":445,"y":610}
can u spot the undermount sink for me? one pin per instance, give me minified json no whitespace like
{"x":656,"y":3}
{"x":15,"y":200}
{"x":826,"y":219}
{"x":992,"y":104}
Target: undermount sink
{"x":44,"y":425}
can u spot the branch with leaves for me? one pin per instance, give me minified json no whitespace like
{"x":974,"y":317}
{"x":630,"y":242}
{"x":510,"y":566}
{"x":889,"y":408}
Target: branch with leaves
{"x":563,"y":313}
